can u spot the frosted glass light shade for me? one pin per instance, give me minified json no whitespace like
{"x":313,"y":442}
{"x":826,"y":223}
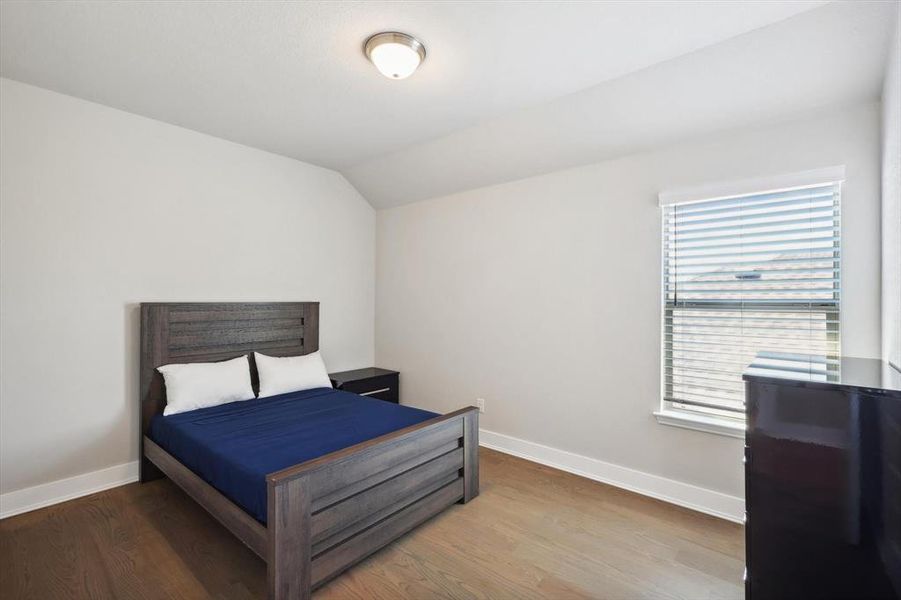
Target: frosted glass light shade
{"x":396,"y":55}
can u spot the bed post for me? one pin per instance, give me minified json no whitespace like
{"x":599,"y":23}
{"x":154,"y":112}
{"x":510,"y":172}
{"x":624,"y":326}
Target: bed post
{"x":290,"y":545}
{"x":470,"y":455}
{"x":154,"y":343}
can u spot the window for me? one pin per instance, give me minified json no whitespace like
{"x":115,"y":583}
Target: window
{"x":749,"y":281}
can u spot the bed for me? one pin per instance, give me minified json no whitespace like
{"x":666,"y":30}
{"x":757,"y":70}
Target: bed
{"x":311,"y":481}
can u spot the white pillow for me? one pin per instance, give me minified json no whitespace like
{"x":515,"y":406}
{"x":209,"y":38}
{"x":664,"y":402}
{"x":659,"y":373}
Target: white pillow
{"x":279,"y":375}
{"x":198,"y":385}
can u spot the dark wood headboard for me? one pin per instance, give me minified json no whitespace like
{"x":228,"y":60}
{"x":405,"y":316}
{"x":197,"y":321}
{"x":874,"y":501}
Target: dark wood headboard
{"x":182,"y":332}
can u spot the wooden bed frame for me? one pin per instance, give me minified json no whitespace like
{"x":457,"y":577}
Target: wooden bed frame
{"x":328,"y":513}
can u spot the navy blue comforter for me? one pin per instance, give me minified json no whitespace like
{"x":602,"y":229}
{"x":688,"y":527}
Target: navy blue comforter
{"x":234,"y":446}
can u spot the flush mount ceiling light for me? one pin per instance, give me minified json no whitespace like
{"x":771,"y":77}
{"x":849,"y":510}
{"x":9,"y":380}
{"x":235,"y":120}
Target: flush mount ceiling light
{"x":396,"y":55}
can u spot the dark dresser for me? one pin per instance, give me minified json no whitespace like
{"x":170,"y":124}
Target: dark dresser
{"x":823,"y":481}
{"x":371,"y":381}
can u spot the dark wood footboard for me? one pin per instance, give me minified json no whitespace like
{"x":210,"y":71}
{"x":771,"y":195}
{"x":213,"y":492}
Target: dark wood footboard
{"x":331,"y":512}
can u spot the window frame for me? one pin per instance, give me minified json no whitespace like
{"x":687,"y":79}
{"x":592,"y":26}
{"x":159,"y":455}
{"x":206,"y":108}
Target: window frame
{"x":695,"y":420}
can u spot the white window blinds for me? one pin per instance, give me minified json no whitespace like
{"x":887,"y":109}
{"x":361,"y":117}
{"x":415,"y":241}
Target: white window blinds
{"x":752,"y":280}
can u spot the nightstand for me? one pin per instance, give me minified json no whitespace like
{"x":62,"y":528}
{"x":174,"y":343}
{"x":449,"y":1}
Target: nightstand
{"x":371,"y":381}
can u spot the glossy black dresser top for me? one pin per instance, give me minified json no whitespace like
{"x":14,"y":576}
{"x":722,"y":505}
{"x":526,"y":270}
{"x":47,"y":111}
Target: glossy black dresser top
{"x":862,"y":374}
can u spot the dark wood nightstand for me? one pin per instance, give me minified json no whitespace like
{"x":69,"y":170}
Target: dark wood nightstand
{"x":371,"y":381}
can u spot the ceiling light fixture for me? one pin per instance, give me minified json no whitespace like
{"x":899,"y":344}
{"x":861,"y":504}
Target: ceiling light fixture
{"x":396,"y":55}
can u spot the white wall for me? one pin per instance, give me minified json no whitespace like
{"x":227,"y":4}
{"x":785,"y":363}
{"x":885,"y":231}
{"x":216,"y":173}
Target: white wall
{"x":891,"y":202}
{"x":100,"y":210}
{"x":543,"y":295}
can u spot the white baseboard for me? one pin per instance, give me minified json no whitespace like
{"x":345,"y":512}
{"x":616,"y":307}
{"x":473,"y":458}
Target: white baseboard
{"x":676,"y":492}
{"x":690,"y":496}
{"x":39,"y":496}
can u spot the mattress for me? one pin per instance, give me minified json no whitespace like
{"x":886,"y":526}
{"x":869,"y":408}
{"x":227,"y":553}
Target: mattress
{"x":234,"y":446}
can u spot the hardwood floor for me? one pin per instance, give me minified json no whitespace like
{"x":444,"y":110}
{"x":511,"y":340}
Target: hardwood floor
{"x":541,"y":533}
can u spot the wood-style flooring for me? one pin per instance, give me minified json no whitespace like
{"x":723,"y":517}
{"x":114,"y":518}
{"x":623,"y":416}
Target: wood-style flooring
{"x":534,"y":532}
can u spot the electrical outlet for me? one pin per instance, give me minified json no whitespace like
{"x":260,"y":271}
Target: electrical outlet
{"x":480,"y":402}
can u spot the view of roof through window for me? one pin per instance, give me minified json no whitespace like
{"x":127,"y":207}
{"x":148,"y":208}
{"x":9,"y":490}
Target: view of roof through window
{"x":751,"y":281}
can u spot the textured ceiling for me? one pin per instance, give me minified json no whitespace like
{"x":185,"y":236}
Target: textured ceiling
{"x":290,"y":77}
{"x":827,"y":57}
{"x":508,"y":89}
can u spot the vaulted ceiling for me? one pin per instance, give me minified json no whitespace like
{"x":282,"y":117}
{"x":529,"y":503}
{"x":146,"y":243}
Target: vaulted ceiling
{"x":507,"y":90}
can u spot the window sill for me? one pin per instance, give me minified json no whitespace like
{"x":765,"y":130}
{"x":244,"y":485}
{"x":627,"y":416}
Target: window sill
{"x":701,"y":423}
